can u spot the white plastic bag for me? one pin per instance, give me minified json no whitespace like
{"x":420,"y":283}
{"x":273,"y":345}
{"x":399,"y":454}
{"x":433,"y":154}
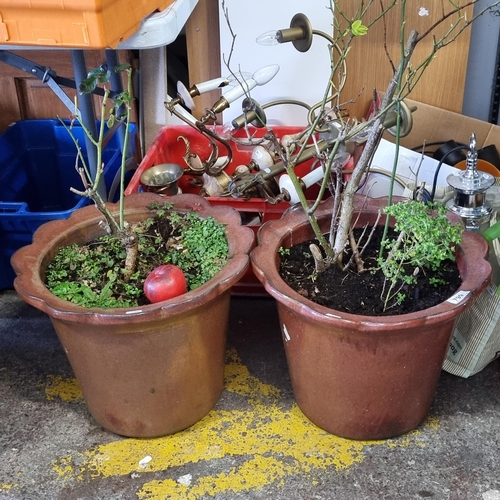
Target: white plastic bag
{"x":476,"y":338}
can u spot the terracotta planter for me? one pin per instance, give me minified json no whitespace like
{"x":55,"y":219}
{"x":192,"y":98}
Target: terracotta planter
{"x":362,"y":377}
{"x":144,"y":371}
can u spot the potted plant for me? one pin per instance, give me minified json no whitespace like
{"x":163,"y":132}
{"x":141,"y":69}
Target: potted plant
{"x":361,"y":375}
{"x":147,"y":369}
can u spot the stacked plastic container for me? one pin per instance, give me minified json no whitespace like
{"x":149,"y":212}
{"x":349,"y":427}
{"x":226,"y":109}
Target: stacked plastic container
{"x":37,"y":170}
{"x":97,"y":24}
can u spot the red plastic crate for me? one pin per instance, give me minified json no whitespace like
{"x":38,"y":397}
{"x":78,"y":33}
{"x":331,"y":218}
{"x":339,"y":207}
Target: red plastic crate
{"x":168,"y":148}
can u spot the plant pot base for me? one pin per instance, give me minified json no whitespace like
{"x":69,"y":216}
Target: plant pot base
{"x":361,"y":386}
{"x":363,"y":377}
{"x":155,"y":382}
{"x":144,"y":371}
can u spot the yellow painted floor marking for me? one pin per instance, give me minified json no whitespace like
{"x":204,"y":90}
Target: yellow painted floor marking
{"x":5,"y":488}
{"x":65,"y":389}
{"x":266,"y":441}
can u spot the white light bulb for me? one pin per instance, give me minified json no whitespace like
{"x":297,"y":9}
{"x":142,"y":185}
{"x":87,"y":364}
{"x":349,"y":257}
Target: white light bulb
{"x":236,"y":92}
{"x":266,"y":74}
{"x":268,"y":38}
{"x":262,"y":157}
{"x":312,"y":177}
{"x":285,"y":183}
{"x":260,"y":77}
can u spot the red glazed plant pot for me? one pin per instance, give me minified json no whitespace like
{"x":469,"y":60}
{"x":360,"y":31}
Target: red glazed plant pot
{"x":143,"y":371}
{"x":362,"y":377}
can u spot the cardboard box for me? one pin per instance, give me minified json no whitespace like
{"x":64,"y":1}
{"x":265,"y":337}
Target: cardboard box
{"x":431,"y":124}
{"x":433,"y":127}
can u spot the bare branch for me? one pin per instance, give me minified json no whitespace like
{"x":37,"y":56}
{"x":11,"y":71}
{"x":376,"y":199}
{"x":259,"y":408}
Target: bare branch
{"x":391,"y":62}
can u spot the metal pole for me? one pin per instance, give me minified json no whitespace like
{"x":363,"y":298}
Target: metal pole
{"x":116,"y":86}
{"x":495,"y":94}
{"x":87,"y":116}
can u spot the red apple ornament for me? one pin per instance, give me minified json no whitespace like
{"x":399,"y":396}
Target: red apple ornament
{"x":164,"y":282}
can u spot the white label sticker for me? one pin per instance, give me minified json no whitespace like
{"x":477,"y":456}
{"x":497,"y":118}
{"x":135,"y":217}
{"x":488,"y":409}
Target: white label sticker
{"x":285,"y":333}
{"x":458,"y":297}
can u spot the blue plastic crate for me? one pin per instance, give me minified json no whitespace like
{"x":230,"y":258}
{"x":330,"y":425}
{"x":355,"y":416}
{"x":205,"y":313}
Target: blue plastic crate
{"x":37,"y":170}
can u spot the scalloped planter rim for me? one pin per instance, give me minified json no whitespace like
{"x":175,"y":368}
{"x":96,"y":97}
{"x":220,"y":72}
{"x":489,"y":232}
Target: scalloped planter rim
{"x":362,"y":377}
{"x":144,"y":371}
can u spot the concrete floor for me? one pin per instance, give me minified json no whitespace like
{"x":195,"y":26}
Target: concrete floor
{"x":255,"y":444}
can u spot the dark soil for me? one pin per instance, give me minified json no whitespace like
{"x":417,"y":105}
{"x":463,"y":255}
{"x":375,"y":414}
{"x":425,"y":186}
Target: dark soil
{"x":355,"y":293}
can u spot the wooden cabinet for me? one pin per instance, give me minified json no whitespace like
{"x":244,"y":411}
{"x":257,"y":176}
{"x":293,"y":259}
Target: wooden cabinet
{"x":202,"y":39}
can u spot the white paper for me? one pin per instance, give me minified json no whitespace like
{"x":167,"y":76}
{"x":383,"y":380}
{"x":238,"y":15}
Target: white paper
{"x":412,"y":168}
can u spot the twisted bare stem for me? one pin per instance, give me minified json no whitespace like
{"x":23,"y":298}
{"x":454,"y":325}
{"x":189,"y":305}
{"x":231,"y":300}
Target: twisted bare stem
{"x":352,"y":186}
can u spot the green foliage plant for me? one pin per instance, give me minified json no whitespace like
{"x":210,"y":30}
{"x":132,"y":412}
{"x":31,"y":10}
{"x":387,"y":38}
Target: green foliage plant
{"x":110,"y":272}
{"x":93,"y":275}
{"x":351,"y":22}
{"x":203,"y":247}
{"x":426,"y":238}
